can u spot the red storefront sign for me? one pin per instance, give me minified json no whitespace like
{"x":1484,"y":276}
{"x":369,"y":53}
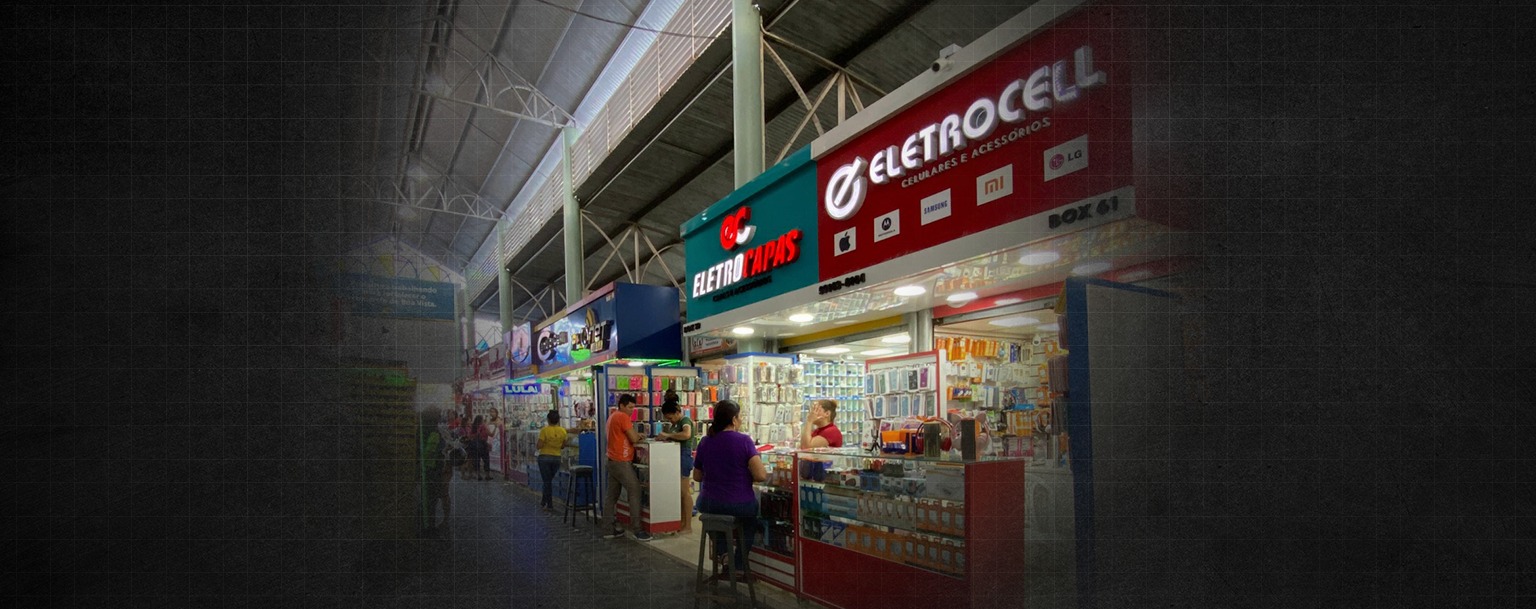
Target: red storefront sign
{"x":1044,"y":129}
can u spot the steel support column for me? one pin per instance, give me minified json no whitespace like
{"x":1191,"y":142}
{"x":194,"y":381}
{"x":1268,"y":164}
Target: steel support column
{"x":920,"y":328}
{"x":747,"y":57}
{"x":573,"y":252}
{"x":466,"y":322}
{"x":505,"y":298}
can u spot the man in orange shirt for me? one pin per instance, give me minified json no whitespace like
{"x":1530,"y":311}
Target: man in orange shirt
{"x":621,"y":471}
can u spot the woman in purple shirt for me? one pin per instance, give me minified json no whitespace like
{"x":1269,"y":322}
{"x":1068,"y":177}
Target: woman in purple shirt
{"x":726,"y":464}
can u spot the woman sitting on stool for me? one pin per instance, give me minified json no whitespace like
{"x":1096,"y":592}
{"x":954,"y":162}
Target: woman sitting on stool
{"x":726,"y":465}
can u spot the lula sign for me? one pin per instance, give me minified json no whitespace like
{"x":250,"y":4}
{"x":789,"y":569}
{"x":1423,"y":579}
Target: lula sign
{"x":735,"y":232}
{"x":522,"y":389}
{"x":1052,"y":84}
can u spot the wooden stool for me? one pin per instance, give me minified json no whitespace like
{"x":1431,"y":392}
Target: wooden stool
{"x":728,"y":529}
{"x":579,"y":474}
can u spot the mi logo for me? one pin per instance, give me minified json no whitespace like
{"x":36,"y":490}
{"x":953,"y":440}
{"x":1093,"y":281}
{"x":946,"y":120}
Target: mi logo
{"x":994,"y":185}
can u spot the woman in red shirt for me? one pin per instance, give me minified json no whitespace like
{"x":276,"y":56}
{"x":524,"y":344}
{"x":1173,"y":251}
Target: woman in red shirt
{"x":820,"y":429}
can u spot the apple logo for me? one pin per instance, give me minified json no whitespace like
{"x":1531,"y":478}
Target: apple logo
{"x":846,"y":242}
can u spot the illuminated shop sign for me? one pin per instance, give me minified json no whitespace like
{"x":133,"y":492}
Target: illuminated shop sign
{"x":746,"y":265}
{"x":571,"y":340}
{"x":1042,"y":122}
{"x":755,"y":244}
{"x":522,"y":389}
{"x":1049,"y":85}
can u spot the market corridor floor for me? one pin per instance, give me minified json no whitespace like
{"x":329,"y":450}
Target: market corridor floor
{"x":501,"y":551}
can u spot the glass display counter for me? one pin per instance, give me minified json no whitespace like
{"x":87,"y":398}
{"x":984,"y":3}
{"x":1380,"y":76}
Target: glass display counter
{"x":882,"y":529}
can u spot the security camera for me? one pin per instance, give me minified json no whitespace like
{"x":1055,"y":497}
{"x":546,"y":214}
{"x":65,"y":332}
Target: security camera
{"x":944,"y":60}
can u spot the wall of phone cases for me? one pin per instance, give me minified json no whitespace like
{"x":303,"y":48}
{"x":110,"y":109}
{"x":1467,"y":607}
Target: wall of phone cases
{"x":769,"y":390}
{"x":1006,"y":383}
{"x":842,"y":381}
{"x":897,"y":388}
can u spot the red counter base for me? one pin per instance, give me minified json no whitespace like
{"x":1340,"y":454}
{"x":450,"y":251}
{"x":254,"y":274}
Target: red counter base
{"x":994,"y":510}
{"x":853,"y":580}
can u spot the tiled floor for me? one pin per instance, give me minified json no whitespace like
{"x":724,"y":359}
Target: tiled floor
{"x":501,"y":551}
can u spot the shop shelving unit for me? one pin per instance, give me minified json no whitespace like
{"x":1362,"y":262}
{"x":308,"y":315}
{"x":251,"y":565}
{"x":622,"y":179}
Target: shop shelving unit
{"x":576,"y":399}
{"x":524,"y":414}
{"x":773,"y":558}
{"x":878,"y":531}
{"x":768,"y":389}
{"x":688,"y":385}
{"x":1002,"y":381}
{"x":619,"y":380}
{"x":902,"y":386}
{"x":658,"y":463}
{"x":842,"y":381}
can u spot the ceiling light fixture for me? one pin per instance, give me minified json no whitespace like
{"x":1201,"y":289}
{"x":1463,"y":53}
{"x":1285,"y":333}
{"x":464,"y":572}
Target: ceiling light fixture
{"x":1049,"y":327}
{"x":1001,"y":302}
{"x":896,"y":340}
{"x":874,"y":352}
{"x":1014,"y":322}
{"x":801,"y":318}
{"x":1039,"y":258}
{"x":911,"y":290}
{"x":742,"y":330}
{"x":634,"y":363}
{"x":832,"y":350}
{"x":961,"y":297}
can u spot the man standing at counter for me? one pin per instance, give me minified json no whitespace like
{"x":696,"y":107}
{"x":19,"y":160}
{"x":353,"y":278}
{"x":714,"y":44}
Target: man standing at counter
{"x":820,"y":429}
{"x":621,"y":471}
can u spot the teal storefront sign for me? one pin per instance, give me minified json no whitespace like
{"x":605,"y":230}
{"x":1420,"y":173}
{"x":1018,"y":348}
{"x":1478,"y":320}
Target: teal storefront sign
{"x":757,"y":243}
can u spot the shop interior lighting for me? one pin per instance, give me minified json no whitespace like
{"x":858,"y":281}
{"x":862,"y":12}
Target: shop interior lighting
{"x":1002,"y":302}
{"x":832,"y":350}
{"x":634,"y":363}
{"x":801,"y":318}
{"x":1091,"y":268}
{"x":742,"y":330}
{"x":1039,"y":258}
{"x":874,"y":352}
{"x":896,"y":340}
{"x":911,"y":290}
{"x":1014,"y":322}
{"x":958,"y":297}
{"x":1049,"y":327}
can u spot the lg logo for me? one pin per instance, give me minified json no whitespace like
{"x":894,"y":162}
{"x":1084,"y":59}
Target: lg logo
{"x":734,"y":230}
{"x":1057,"y":160}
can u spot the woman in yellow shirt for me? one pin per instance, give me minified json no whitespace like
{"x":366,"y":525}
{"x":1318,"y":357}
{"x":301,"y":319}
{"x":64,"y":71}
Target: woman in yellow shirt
{"x":551,"y":440}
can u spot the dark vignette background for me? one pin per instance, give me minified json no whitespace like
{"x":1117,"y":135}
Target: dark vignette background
{"x":176,"y":178}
